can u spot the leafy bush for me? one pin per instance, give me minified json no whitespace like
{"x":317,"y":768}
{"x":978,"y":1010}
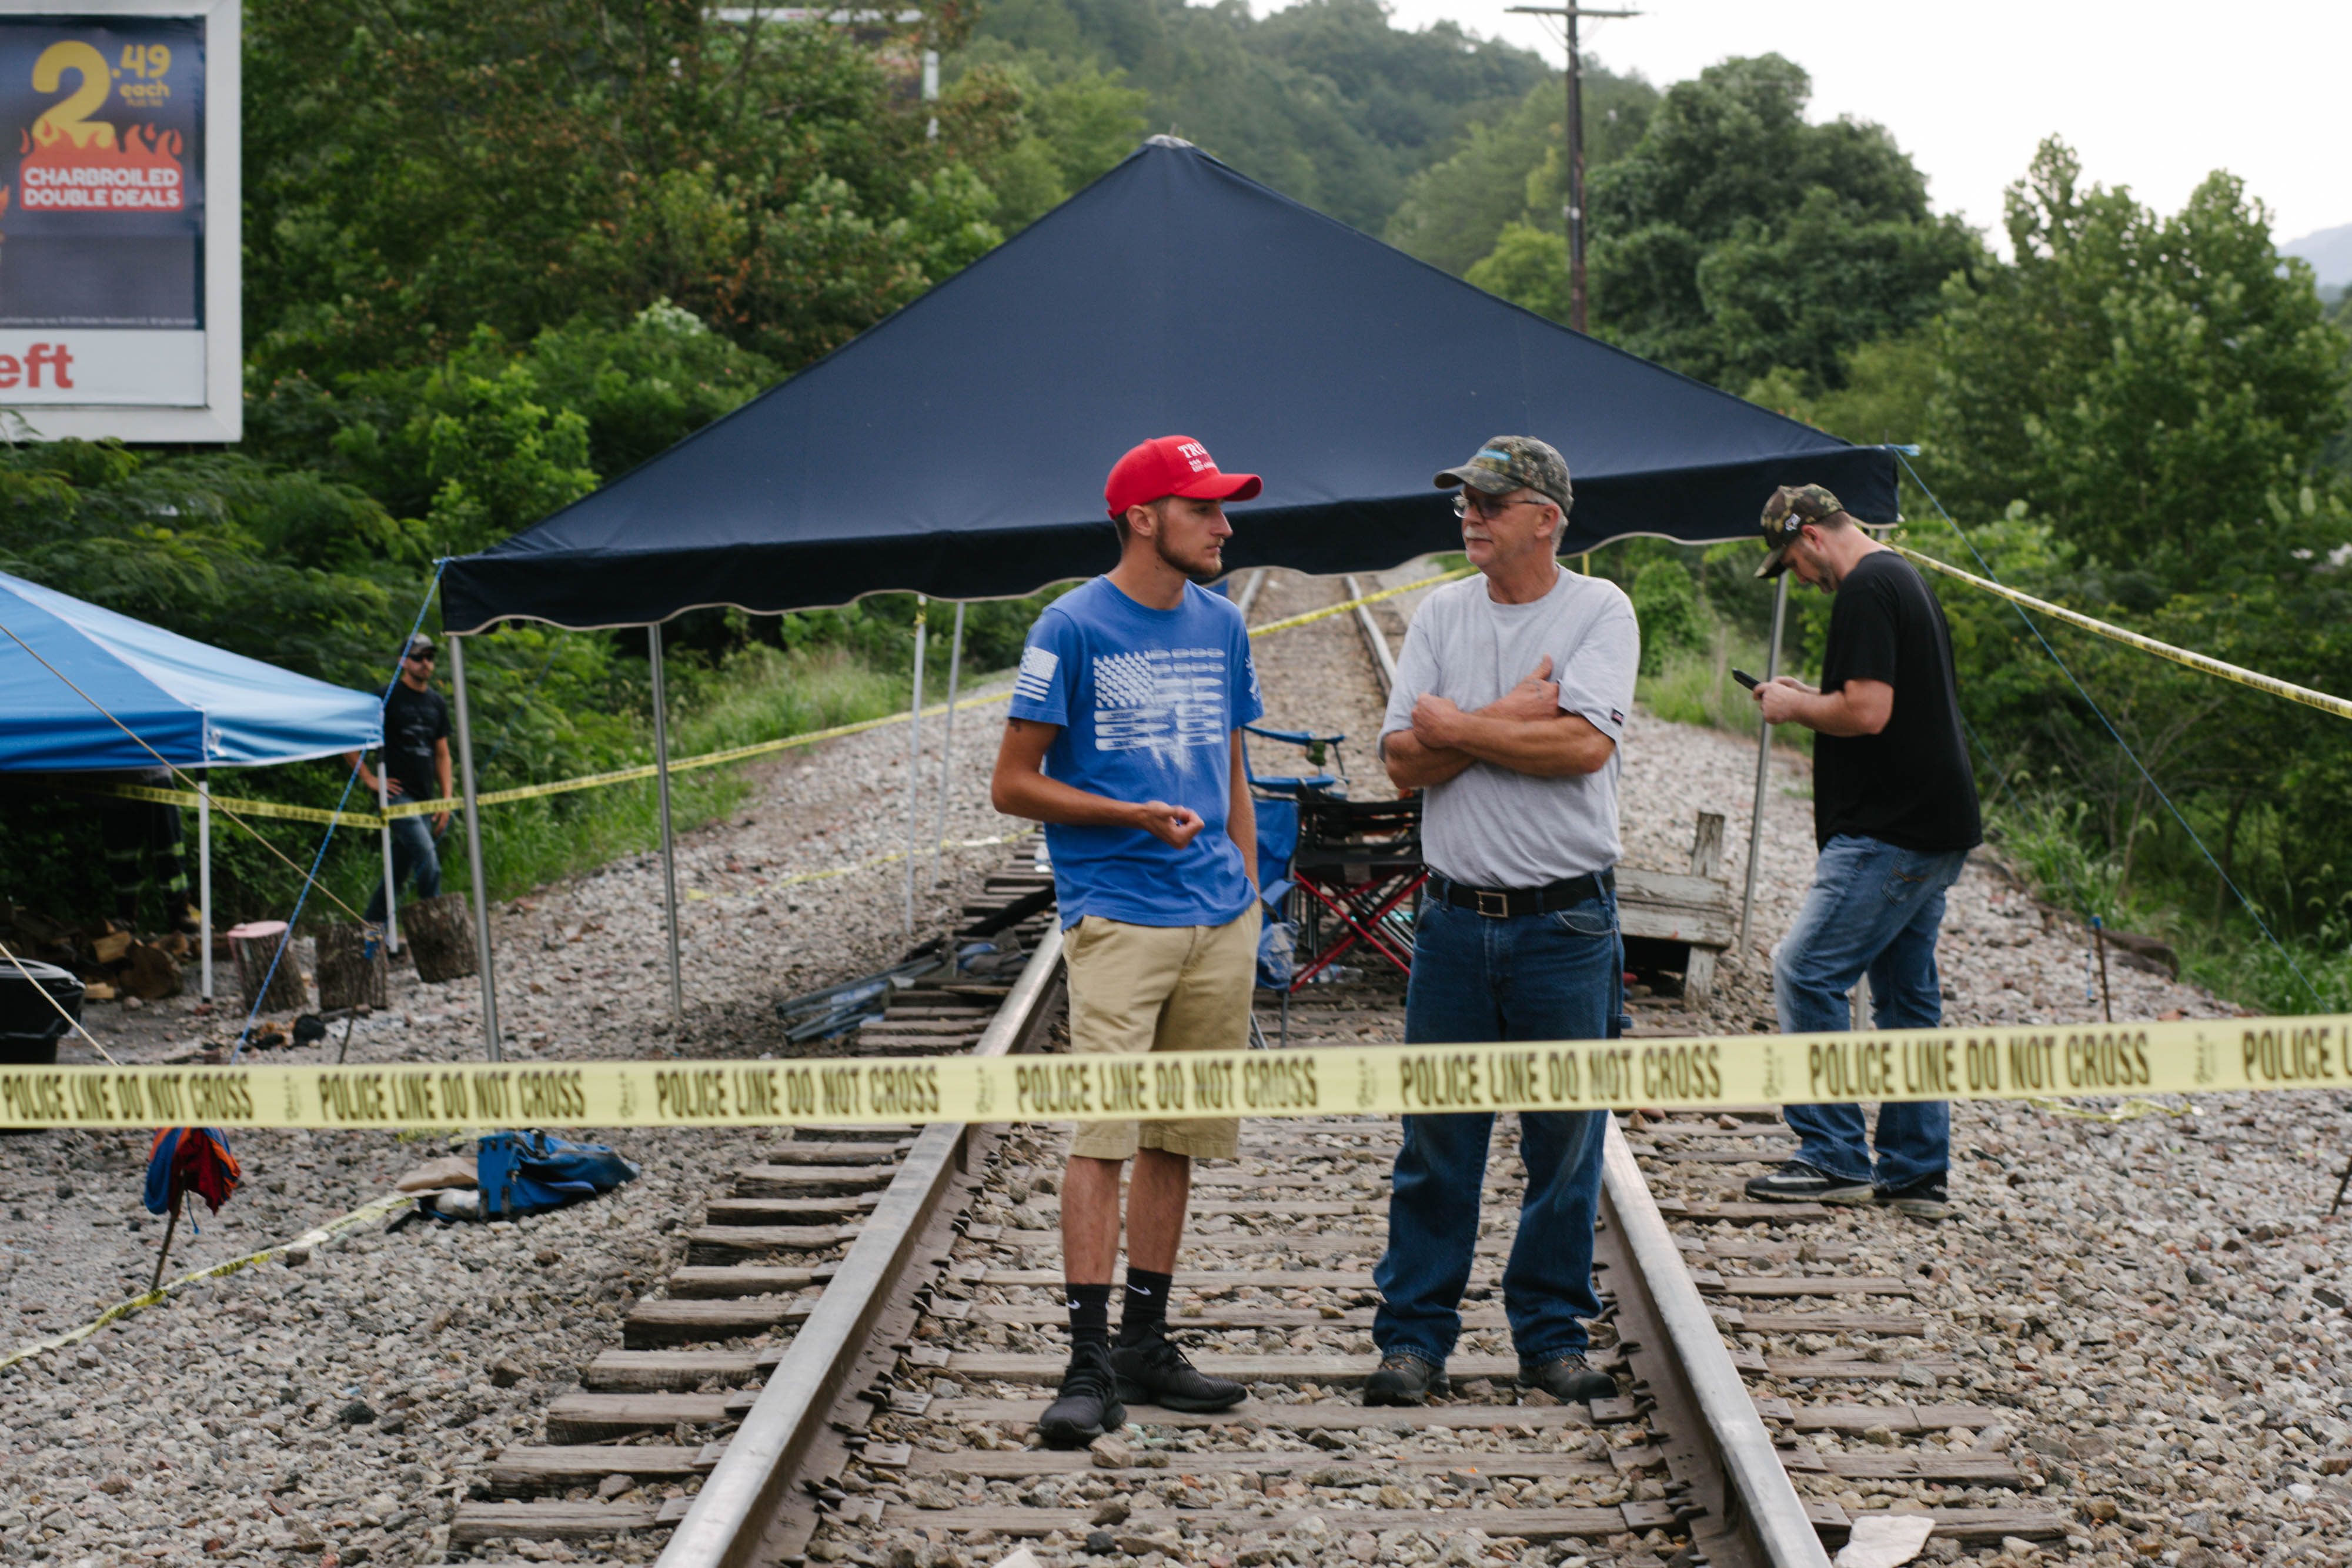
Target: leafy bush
{"x":1673,"y":621}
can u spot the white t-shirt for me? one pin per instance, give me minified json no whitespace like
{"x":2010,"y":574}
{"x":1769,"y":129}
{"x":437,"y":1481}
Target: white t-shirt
{"x":1487,"y":826}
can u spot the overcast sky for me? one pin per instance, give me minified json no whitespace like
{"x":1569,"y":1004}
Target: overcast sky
{"x":2153,"y":95}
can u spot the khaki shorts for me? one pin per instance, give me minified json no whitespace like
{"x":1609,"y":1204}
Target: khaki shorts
{"x":1138,"y":988}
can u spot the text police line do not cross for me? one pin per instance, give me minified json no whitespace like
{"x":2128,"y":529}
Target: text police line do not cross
{"x":1698,"y":1073}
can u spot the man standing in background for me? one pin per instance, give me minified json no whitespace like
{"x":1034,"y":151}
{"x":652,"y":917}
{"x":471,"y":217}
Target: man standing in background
{"x":1895,"y":816}
{"x":1125,"y":740}
{"x":1509,"y":700}
{"x":417,"y":767}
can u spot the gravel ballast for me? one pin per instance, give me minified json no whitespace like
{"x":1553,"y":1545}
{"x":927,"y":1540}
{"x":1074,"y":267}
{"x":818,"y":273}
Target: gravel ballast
{"x":2162,"y":1299}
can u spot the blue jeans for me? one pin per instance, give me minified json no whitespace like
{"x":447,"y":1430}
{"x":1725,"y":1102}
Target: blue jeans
{"x":1558,"y":976}
{"x":1873,"y":909}
{"x":413,"y":841}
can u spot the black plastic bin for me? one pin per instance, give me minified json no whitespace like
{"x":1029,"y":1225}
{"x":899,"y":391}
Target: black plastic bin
{"x":30,"y":1027}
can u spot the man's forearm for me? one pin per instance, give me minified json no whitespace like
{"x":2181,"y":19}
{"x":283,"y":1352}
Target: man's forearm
{"x":1545,"y":749}
{"x":1834,"y":712}
{"x":1413,"y":765}
{"x":1042,"y":798}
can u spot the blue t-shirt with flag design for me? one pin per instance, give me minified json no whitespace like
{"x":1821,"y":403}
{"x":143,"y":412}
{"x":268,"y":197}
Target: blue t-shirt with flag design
{"x":1148,"y":701}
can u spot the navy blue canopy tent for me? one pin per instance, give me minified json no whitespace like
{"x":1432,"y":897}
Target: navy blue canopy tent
{"x":958,"y":448}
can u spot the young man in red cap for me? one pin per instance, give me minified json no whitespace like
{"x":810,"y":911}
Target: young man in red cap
{"x":1125,"y":741}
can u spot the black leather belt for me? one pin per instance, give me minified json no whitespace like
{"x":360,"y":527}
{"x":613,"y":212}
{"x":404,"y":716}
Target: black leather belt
{"x":1496,"y":902}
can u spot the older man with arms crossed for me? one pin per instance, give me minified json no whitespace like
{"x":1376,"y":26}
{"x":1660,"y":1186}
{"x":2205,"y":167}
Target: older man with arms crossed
{"x":1509,"y":701}
{"x":1895,"y":815}
{"x":1125,"y":741}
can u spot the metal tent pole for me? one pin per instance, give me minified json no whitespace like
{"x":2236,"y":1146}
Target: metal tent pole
{"x":205,"y":879}
{"x":1763,"y":765}
{"x":390,"y":887}
{"x":491,"y":1037}
{"x":947,"y":742}
{"x":668,"y":847}
{"x":914,"y":760}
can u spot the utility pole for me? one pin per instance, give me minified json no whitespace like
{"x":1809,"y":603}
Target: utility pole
{"x":1570,"y":14}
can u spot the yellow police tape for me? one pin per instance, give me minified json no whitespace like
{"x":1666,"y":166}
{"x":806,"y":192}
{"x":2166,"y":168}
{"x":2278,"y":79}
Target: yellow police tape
{"x":646,"y":770}
{"x":2212,"y":666}
{"x":2206,"y":1056}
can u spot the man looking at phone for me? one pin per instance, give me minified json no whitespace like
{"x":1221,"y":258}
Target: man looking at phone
{"x":1509,"y":700}
{"x":1895,"y":815}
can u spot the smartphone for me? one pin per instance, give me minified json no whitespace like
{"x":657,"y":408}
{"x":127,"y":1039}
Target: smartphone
{"x":1744,"y":678}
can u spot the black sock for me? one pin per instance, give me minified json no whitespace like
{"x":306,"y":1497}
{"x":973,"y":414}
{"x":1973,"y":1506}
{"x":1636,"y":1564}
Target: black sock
{"x":1089,"y":1315}
{"x":1143,"y":1309}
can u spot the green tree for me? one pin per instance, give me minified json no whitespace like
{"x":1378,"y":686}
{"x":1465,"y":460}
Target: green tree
{"x":1507,"y":171}
{"x":417,"y":168}
{"x":2147,"y":383}
{"x":1735,"y":237}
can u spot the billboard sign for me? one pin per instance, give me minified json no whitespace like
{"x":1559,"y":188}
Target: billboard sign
{"x":118,"y":247}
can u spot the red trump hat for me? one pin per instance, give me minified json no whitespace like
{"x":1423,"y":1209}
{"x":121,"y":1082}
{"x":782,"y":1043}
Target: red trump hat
{"x":1172,"y":465}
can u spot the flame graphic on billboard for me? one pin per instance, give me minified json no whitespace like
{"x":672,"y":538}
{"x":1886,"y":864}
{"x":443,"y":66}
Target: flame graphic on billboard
{"x":141,"y":174}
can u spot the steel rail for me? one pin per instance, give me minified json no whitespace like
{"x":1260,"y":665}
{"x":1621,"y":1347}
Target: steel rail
{"x":730,"y":1517}
{"x":1735,"y":1496}
{"x":1376,"y":641}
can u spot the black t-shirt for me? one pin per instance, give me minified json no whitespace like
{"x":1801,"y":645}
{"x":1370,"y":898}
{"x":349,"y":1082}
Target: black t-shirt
{"x":1910,"y":784}
{"x":413,"y":721}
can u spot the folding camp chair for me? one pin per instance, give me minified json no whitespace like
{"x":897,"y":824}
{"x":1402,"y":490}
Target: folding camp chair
{"x":1343,"y":870}
{"x":1357,"y":875}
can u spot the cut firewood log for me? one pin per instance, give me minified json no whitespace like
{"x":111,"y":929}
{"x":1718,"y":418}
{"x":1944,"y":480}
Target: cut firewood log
{"x":151,"y":974}
{"x":351,"y":970}
{"x":439,"y":932}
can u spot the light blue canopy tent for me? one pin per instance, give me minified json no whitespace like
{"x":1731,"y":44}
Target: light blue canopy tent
{"x":197,"y":706}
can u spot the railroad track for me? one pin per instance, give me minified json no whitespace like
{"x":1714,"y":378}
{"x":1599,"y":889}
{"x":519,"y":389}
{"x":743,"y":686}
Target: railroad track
{"x":1780,"y":1375}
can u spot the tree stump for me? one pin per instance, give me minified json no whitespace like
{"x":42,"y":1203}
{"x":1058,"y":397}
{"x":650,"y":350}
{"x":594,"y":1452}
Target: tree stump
{"x":439,"y":932}
{"x":352,"y":972}
{"x":255,"y":945}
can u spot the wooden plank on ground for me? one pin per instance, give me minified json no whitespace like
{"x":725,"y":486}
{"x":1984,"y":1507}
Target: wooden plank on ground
{"x":788,"y":1211}
{"x":529,"y":1470}
{"x":748,"y":1280}
{"x":587,"y":1417}
{"x":633,"y":1371}
{"x":998,"y":1464}
{"x":661,"y":1322}
{"x":710,"y":1244}
{"x":478,"y":1521}
{"x":1523,"y":1523}
{"x":811,"y":1181}
{"x":1981,"y":1526}
{"x":1322,"y":1416}
{"x":1753,"y":1285}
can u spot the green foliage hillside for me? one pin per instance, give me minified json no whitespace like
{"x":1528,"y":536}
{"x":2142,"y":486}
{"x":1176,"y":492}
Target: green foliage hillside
{"x":1325,"y":100}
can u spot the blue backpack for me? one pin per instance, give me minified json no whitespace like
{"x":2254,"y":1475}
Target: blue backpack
{"x":524,"y":1173}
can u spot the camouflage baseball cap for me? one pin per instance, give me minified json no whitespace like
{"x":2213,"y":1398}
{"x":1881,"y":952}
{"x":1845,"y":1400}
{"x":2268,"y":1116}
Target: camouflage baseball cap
{"x":1789,"y":509}
{"x":1508,"y":462}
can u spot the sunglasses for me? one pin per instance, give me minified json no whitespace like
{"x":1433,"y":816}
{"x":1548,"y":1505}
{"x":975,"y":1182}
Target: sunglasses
{"x":420,"y":658}
{"x":1485,"y":505}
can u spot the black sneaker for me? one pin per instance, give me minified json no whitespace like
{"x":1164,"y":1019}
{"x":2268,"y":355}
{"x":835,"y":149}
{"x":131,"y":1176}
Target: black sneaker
{"x":1405,"y":1380}
{"x":1156,"y":1372}
{"x":1088,"y":1406}
{"x":1570,"y":1378}
{"x":1921,"y":1198}
{"x":1797,"y":1182}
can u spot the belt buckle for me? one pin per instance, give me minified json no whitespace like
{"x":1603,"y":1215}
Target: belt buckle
{"x":1502,"y":905}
